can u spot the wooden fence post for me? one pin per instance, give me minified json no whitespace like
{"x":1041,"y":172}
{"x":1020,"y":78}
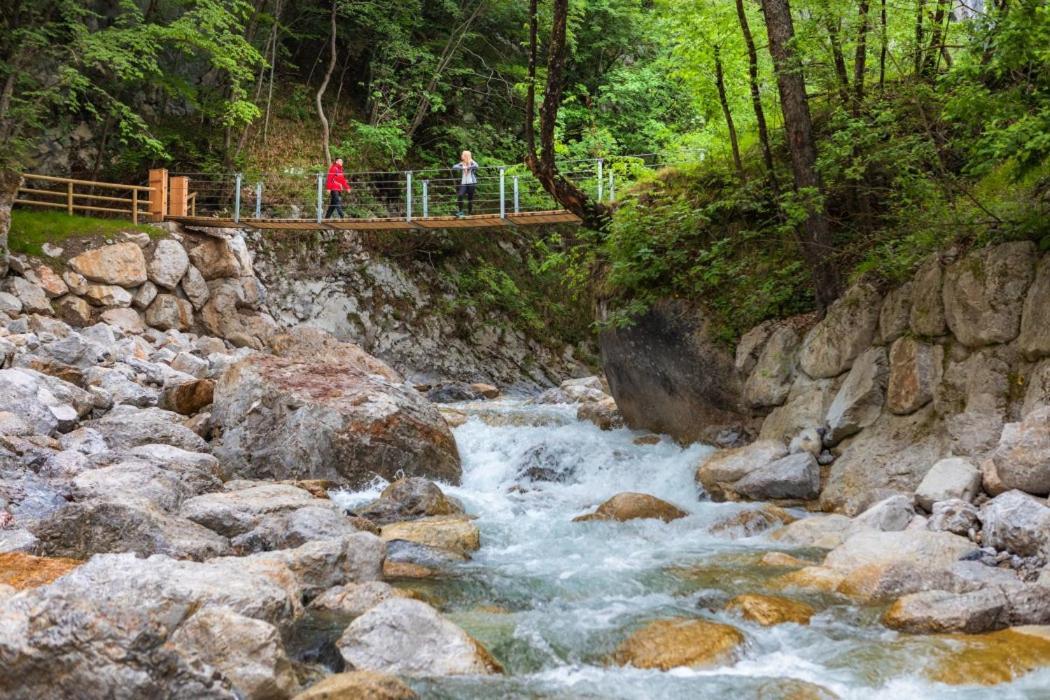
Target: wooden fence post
{"x":158,"y":196}
{"x":179,"y":188}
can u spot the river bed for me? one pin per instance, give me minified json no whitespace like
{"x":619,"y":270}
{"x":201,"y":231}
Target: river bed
{"x":552,"y":599}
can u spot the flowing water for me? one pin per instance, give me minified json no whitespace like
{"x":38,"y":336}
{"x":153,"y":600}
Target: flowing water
{"x":552,"y":599}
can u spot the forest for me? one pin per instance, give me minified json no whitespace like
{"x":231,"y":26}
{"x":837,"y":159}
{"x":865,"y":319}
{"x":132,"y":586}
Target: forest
{"x":805,"y":144}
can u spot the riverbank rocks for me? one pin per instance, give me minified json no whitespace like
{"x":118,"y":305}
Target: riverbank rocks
{"x":914,"y":367}
{"x":680,"y":642}
{"x":355,"y":599}
{"x":770,"y":380}
{"x":796,"y":476}
{"x":984,"y":293}
{"x":359,"y":685}
{"x":452,"y":533}
{"x":847,"y":330}
{"x":632,"y":506}
{"x":288,"y":419}
{"x":927,"y":612}
{"x":408,"y":499}
{"x":409,"y":637}
{"x":604,"y":414}
{"x":1016,"y":522}
{"x":121,"y":264}
{"x":249,"y":653}
{"x":770,"y":610}
{"x":951,"y":478}
{"x":722,"y":468}
{"x":1034,"y":338}
{"x":1022,"y":458}
{"x":859,"y":400}
{"x":168,"y":265}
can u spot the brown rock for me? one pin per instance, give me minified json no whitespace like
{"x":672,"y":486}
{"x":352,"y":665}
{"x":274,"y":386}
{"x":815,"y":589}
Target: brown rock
{"x":454,"y":533}
{"x":215,"y":259}
{"x":189,"y":397}
{"x":667,"y":644}
{"x":359,"y":685}
{"x":50,"y":282}
{"x":631,"y":506}
{"x":74,"y":311}
{"x":750,"y":522}
{"x":782,"y":560}
{"x":770,"y":610}
{"x":914,"y":370}
{"x":23,"y":571}
{"x":407,"y":569}
{"x":127,"y":320}
{"x":813,"y":578}
{"x":989,"y":659}
{"x":603,"y":414}
{"x":650,"y":439}
{"x":108,"y":295}
{"x":122,"y":264}
{"x":168,"y":312}
{"x":487,"y":391}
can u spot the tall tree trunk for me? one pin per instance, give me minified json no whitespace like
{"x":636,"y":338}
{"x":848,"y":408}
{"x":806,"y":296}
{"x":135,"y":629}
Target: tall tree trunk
{"x":595,"y":215}
{"x":273,"y":68}
{"x":721,"y":83}
{"x":831,"y":24}
{"x":756,"y":95}
{"x":882,"y":47}
{"x":861,"y":57}
{"x":325,"y":135}
{"x":817,"y":245}
{"x":920,"y":10}
{"x":933,"y":53}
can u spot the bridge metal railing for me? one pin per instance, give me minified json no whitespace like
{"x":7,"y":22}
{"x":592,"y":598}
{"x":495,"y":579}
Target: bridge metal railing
{"x":299,"y":195}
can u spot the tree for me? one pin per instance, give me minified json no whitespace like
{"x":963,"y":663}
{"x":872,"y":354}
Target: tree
{"x":721,"y":84}
{"x":319,"y":97}
{"x":756,"y":95}
{"x":816,"y":241}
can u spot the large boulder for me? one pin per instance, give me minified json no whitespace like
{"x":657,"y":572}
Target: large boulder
{"x":950,"y":478}
{"x":302,"y":341}
{"x":322,"y":564}
{"x":168,"y":312}
{"x":770,"y":381}
{"x":890,"y":456}
{"x":667,"y":644}
{"x":859,"y":400}
{"x":807,"y":405}
{"x":408,"y":636}
{"x":847,"y":330}
{"x":215,"y":259}
{"x":31,"y":297}
{"x":914,"y":371}
{"x":1022,"y":458}
{"x":925,"y":612}
{"x":121,"y":264}
{"x":297,"y":419}
{"x":126,"y":427}
{"x":47,"y":404}
{"x":984,"y":293}
{"x":168,"y":265}
{"x":1018,"y":523}
{"x":669,"y":374}
{"x":794,"y":476}
{"x":409,"y":499}
{"x":723,"y":468}
{"x":1034,"y":338}
{"x":631,"y":506}
{"x":894,"y":315}
{"x":918,"y":548}
{"x":927,"y":300}
{"x":249,"y":653}
{"x":232,"y":513}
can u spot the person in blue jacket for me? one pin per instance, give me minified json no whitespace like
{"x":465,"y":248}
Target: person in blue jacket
{"x":468,"y":182}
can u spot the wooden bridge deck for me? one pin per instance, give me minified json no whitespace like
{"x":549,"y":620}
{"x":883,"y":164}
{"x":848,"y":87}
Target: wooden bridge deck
{"x":532,"y":218}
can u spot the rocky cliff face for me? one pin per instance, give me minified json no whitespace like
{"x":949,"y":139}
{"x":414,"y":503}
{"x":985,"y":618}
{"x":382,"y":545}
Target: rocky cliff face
{"x":398,"y":299}
{"x":954,"y":363}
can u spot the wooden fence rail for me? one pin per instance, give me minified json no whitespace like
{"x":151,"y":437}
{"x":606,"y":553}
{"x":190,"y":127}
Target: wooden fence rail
{"x":71,"y":200}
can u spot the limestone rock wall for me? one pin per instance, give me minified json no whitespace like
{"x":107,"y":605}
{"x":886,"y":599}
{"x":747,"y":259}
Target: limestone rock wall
{"x":954,"y":363}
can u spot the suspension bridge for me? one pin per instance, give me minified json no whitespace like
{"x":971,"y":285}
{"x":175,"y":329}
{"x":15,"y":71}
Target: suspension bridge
{"x":506,"y":195}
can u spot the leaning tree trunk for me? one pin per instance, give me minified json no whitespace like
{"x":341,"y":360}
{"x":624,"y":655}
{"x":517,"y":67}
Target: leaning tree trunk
{"x":9,"y":184}
{"x":817,"y":245}
{"x":837,"y":55}
{"x":721,"y":83}
{"x":882,"y":48}
{"x":756,"y":95}
{"x":325,"y":134}
{"x":920,"y":10}
{"x":861,"y":57}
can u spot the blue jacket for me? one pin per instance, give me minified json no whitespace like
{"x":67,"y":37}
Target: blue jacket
{"x":471,"y":176}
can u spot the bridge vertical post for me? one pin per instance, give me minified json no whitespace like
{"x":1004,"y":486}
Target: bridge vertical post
{"x":503,"y":193}
{"x":612,"y":187}
{"x":516,"y":199}
{"x":158,"y":193}
{"x":320,"y":196}
{"x":600,"y":179}
{"x":237,"y":198}
{"x":258,"y":199}
{"x":179,"y":188}
{"x":426,"y":198}
{"x":408,"y":195}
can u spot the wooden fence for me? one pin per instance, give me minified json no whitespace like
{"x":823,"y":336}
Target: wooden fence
{"x":74,"y":196}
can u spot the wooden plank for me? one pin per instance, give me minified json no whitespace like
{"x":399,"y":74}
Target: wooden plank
{"x":158,"y":196}
{"x":81,"y":207}
{"x":90,"y":183}
{"x":388,"y":224}
{"x":474,"y":221}
{"x":178,"y":191}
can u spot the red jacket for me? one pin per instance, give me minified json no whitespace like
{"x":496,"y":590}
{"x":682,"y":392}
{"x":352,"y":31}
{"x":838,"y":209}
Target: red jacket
{"x":336,"y":181}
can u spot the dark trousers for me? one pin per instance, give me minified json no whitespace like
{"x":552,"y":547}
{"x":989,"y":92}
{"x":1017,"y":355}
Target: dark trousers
{"x":335,"y":204}
{"x":468,"y":192}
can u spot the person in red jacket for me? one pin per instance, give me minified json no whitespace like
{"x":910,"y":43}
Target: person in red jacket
{"x":336,"y":185}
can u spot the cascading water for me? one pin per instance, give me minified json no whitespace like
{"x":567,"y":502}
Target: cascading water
{"x":552,"y":599}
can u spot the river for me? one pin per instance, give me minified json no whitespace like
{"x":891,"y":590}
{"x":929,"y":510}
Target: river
{"x":552,"y":599}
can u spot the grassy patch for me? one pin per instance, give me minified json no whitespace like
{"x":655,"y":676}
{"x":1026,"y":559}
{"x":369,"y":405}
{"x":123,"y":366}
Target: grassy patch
{"x":30,"y":230}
